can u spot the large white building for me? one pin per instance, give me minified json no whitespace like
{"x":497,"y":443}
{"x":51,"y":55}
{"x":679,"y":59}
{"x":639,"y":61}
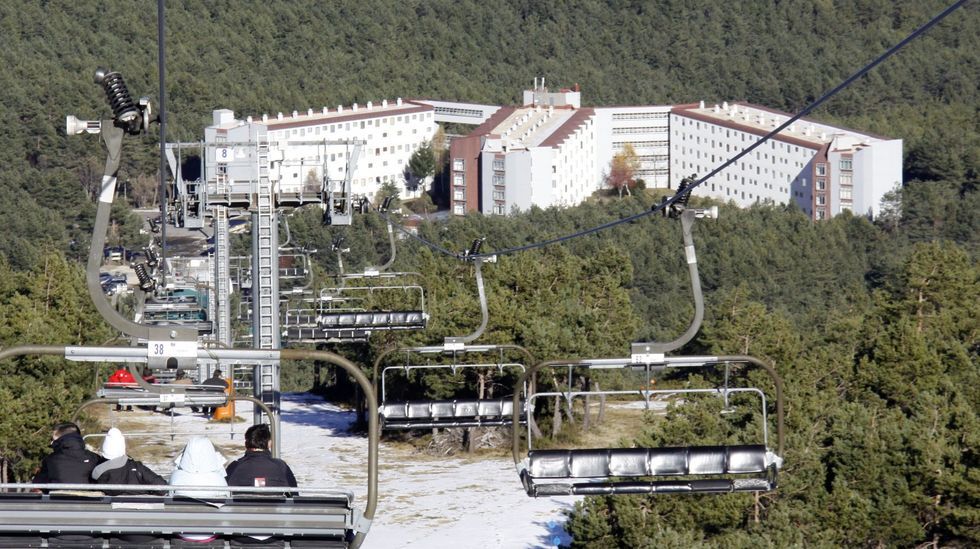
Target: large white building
{"x":823,"y":169}
{"x":300,"y":155}
{"x":540,"y":154}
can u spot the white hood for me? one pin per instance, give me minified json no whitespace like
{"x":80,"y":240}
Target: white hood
{"x":114,"y":445}
{"x":199,"y":456}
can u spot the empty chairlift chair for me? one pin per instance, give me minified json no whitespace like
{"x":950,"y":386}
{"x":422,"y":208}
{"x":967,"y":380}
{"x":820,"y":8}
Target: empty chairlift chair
{"x":710,"y":468}
{"x":344,"y":313}
{"x":448,"y":413}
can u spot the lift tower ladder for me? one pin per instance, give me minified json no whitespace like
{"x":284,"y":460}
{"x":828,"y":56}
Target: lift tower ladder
{"x":265,"y":281}
{"x":222,"y":281}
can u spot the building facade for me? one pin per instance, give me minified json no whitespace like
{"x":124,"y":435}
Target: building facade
{"x":646,"y":129}
{"x":823,"y":169}
{"x":540,"y":154}
{"x":300,"y":153}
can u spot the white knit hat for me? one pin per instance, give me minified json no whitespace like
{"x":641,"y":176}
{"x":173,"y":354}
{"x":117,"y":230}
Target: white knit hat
{"x":114,"y":445}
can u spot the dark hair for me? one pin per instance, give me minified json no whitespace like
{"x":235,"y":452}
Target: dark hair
{"x":257,"y":437}
{"x":63,"y":429}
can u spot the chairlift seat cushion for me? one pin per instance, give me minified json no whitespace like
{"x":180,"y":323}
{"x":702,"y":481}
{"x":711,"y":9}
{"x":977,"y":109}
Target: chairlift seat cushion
{"x":647,"y":462}
{"x":376,"y":320}
{"x":447,"y":413}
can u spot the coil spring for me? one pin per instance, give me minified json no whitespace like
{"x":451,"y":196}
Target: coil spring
{"x":152,"y":260}
{"x":120,"y":101}
{"x":147,"y":284}
{"x":682,"y":190}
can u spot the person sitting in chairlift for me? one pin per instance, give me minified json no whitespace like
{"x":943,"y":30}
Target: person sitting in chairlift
{"x":215,"y":381}
{"x":257,"y":467}
{"x":69,"y":462}
{"x":199,"y":464}
{"x":119,"y":468}
{"x":182,"y":379}
{"x":122,"y":469}
{"x":122,"y":378}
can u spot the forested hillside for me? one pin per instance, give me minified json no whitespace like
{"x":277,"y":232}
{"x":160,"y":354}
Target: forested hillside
{"x":267,"y":57}
{"x":873,"y":324}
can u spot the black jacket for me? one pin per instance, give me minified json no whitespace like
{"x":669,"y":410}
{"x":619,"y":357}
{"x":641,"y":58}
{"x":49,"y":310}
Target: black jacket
{"x":259,"y":468}
{"x":216,"y":382}
{"x":68,"y":463}
{"x":125,"y":470}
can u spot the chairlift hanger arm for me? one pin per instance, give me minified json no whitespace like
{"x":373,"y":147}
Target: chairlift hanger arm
{"x":391,"y":239}
{"x":687,"y":217}
{"x":455,"y":342}
{"x":132,"y":119}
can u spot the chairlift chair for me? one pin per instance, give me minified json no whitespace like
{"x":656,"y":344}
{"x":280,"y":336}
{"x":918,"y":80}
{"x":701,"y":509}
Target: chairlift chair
{"x":421,"y":414}
{"x":687,"y":469}
{"x":690,"y":469}
{"x":448,"y":413}
{"x":353,"y":324}
{"x":323,"y":516}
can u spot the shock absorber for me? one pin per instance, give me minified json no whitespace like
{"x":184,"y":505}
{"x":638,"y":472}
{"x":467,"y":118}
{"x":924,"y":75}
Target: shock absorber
{"x":147,"y":283}
{"x":152,"y":260}
{"x":126,"y":113}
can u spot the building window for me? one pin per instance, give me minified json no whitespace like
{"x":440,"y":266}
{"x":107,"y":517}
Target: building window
{"x":846,"y":164}
{"x":821,"y":184}
{"x":820,"y":214}
{"x":498,"y":179}
{"x":498,"y":165}
{"x":845,"y":194}
{"x":459,"y":209}
{"x":458,"y":179}
{"x":821,"y":169}
{"x":821,"y":201}
{"x":497,"y":195}
{"x":499,"y":209}
{"x":458,"y":164}
{"x":458,"y":195}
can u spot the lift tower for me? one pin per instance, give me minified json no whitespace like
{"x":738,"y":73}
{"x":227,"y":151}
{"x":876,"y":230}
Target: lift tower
{"x":242,"y":170}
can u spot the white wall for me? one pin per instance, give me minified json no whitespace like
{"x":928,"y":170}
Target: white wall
{"x":878,"y":168}
{"x":391,"y":137}
{"x":775,"y":172}
{"x":636,"y":124}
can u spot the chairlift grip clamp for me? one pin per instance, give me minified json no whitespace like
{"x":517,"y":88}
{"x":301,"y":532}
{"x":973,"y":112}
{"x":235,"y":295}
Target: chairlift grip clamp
{"x":360,"y":523}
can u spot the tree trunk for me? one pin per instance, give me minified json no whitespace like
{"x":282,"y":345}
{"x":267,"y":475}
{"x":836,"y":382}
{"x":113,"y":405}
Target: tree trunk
{"x":533,"y":426}
{"x":472,"y":433}
{"x":556,"y":418}
{"x":587,"y":403}
{"x":602,"y":406}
